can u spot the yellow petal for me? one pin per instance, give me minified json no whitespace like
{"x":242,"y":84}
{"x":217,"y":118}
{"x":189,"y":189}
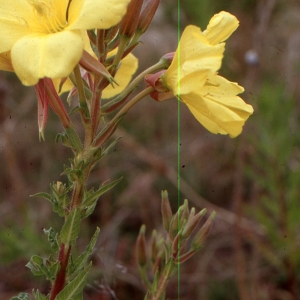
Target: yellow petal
{"x":128,"y":67}
{"x":60,"y":8}
{"x":218,"y":108}
{"x":99,"y":14}
{"x":52,"y":55}
{"x":194,"y":60}
{"x":5,"y":62}
{"x":220,"y":27}
{"x":13,"y":24}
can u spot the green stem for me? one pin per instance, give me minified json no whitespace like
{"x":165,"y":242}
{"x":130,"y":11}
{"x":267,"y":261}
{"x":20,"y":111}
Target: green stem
{"x":60,"y":280}
{"x":163,"y":281}
{"x":119,"y":54}
{"x":148,"y":90}
{"x":160,"y":65}
{"x":111,"y":126}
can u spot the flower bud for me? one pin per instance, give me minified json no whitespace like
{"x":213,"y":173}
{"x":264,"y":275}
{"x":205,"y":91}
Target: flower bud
{"x":141,"y":248}
{"x":184,"y":257}
{"x":192,"y":223}
{"x":130,"y":20}
{"x":147,"y":15}
{"x":166,"y":210}
{"x":203,"y":233}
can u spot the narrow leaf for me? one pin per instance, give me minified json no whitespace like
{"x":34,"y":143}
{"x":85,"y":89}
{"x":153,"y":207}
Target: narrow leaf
{"x":70,"y":230}
{"x":103,"y":189}
{"x":75,"y":287}
{"x":82,"y":259}
{"x":43,"y":195}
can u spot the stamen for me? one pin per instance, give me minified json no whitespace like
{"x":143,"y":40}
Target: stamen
{"x":49,"y":21}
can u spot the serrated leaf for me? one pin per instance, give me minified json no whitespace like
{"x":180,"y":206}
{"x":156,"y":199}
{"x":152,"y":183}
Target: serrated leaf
{"x":52,"y":238}
{"x":38,"y":296}
{"x":21,"y":296}
{"x":75,"y":287}
{"x":103,"y":189}
{"x":81,"y":260}
{"x":37,"y":267}
{"x":70,"y":230}
{"x":34,"y":265}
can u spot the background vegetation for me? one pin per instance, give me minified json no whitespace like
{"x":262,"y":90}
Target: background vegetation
{"x":253,"y":181}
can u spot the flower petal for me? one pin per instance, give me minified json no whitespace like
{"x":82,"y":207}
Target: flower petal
{"x":128,"y":67}
{"x":100,"y":14}
{"x":5,"y":62}
{"x":52,"y":55}
{"x":13,"y":24}
{"x":220,"y":27}
{"x":197,"y":60}
{"x":218,"y":108}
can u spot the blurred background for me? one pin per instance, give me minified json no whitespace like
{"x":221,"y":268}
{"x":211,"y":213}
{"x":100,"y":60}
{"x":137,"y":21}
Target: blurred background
{"x":252,"y":181}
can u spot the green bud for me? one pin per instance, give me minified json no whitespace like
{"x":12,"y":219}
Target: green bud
{"x":202,"y":234}
{"x":166,"y":210}
{"x":192,"y":222}
{"x":141,"y":248}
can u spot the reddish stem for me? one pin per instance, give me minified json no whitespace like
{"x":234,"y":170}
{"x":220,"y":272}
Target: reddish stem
{"x":60,"y":280}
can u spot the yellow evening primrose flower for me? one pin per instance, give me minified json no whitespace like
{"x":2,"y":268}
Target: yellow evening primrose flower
{"x":192,"y":77}
{"x":46,"y":37}
{"x":217,"y":107}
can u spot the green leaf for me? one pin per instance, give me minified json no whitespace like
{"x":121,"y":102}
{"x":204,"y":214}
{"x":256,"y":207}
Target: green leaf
{"x":103,"y":189}
{"x":38,"y":296}
{"x":52,"y":238}
{"x":74,"y":139}
{"x":70,"y":230}
{"x":88,"y":211}
{"x":43,"y":195}
{"x":82,"y":259}
{"x":75,"y":287}
{"x":111,"y":145}
{"x":21,"y":296}
{"x":37,"y":267}
{"x":54,"y":269}
{"x":34,"y":265}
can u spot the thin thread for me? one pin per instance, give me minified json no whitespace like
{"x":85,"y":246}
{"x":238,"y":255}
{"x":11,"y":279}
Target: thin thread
{"x":178,"y":136}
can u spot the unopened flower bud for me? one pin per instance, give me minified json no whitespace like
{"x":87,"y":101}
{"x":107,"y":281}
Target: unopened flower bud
{"x":166,"y":210}
{"x":141,"y":248}
{"x":147,"y":15}
{"x":192,"y":223}
{"x":203,"y":233}
{"x":184,"y":257}
{"x":185,"y":212}
{"x":130,"y":20}
{"x":167,"y":58}
{"x":177,"y":221}
{"x":58,"y":187}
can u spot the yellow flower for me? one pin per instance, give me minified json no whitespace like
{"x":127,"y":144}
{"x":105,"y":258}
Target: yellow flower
{"x":45,"y":37}
{"x":217,"y":107}
{"x":192,"y":77}
{"x":128,"y":67}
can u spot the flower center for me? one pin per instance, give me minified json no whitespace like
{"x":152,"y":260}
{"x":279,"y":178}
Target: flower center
{"x":48,"y":16}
